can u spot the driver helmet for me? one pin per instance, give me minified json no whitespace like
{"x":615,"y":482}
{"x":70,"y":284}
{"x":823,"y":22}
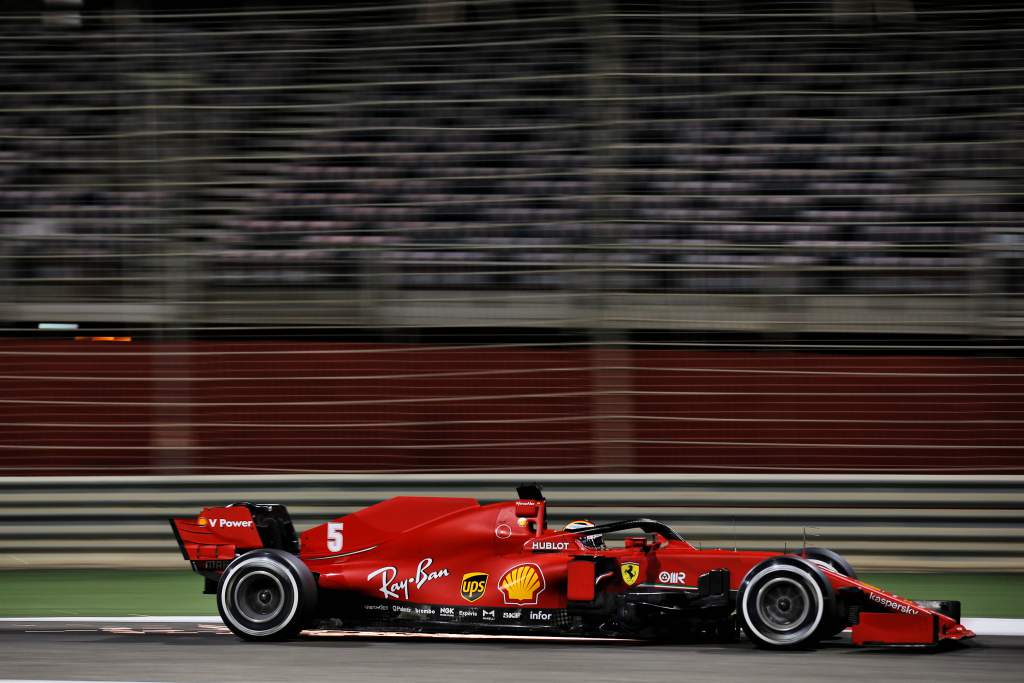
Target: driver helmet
{"x":594,"y":541}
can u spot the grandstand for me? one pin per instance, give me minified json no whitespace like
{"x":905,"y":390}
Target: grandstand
{"x":758,"y":160}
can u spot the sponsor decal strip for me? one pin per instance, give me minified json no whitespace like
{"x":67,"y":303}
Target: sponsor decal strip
{"x":210,"y":565}
{"x":672,"y":577}
{"x":464,"y":614}
{"x":892,"y":604}
{"x":522,"y":584}
{"x":473,"y":586}
{"x":549,"y":546}
{"x":398,"y":589}
{"x":217,"y":523}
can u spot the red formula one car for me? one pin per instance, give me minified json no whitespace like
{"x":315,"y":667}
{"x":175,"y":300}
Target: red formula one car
{"x":452,"y":564}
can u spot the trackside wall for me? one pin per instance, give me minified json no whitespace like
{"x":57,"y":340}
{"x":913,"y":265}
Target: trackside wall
{"x":135,"y":408}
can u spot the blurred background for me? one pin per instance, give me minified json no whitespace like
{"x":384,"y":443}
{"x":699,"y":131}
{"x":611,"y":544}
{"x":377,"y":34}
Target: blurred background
{"x":748,"y":266}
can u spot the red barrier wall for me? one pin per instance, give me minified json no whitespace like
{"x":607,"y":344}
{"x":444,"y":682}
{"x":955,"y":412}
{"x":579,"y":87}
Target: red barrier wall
{"x":68,"y":407}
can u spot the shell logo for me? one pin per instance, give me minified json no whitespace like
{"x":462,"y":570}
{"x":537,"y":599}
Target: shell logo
{"x":522,"y":584}
{"x":202,"y":521}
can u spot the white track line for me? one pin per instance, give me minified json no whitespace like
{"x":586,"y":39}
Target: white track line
{"x":116,"y":620}
{"x":417,"y":635}
{"x":983,"y":626}
{"x":995,"y":627}
{"x":36,"y":680}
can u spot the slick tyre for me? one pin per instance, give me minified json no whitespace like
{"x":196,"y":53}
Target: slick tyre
{"x":266,"y":594}
{"x":785,"y":603}
{"x":839,"y":564}
{"x":832,"y":559}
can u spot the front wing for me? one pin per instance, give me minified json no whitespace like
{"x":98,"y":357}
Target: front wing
{"x":882,"y":618}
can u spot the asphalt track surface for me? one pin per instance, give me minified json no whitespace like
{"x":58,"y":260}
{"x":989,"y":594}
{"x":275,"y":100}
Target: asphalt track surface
{"x":201,"y":653}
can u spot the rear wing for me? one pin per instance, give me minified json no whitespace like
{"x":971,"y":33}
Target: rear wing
{"x":218,"y":535}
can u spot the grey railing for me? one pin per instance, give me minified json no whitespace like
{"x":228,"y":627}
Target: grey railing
{"x":879,"y":522}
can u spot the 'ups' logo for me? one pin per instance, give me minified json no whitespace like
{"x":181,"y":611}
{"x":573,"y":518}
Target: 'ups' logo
{"x":522,"y":584}
{"x":473,"y":586}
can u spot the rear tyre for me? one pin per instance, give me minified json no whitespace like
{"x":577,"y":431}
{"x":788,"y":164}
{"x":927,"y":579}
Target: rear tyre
{"x":785,"y":603}
{"x":266,"y":594}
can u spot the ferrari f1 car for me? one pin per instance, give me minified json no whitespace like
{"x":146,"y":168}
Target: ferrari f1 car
{"x":452,"y":564}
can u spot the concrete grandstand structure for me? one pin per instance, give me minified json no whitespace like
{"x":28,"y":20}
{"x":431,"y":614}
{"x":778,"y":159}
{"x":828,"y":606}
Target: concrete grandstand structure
{"x":759,"y":167}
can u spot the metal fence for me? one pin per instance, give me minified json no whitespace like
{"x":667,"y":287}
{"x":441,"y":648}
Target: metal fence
{"x":782,"y":167}
{"x":879,"y":522}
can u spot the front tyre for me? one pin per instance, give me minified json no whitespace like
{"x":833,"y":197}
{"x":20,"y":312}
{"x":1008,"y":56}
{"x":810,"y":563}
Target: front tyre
{"x":831,"y":558}
{"x":266,"y":594}
{"x":839,"y":564}
{"x":785,"y":603}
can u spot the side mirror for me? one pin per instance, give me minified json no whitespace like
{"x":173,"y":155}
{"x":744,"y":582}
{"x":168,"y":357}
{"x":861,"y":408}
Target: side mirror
{"x":531,"y":491}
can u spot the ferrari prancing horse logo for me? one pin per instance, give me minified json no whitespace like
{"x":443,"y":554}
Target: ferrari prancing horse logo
{"x":630,"y":572}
